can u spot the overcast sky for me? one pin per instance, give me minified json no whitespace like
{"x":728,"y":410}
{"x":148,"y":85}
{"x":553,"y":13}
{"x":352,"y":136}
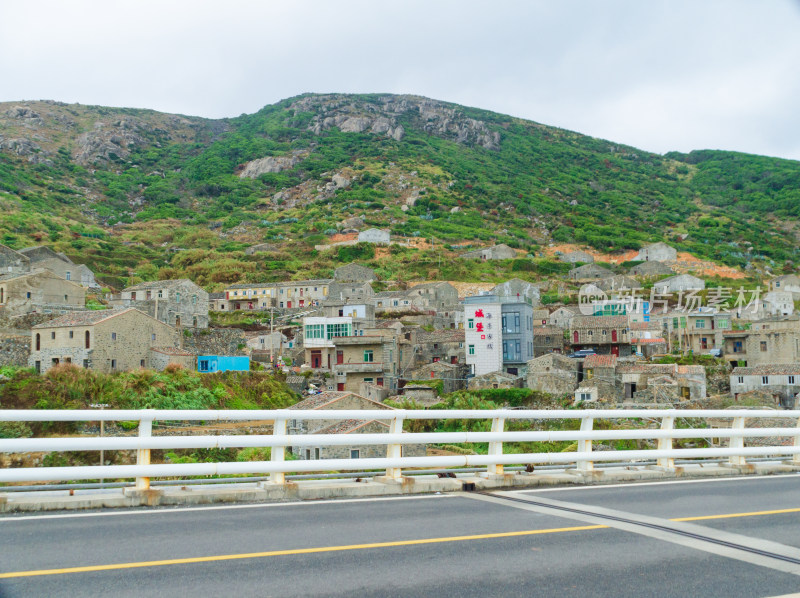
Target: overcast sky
{"x":661,"y":76}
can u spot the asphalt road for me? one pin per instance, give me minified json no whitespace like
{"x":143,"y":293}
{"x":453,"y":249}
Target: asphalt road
{"x":446,"y":545}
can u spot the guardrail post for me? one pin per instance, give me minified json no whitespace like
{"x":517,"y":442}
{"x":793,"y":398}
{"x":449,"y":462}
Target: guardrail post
{"x":737,"y":442}
{"x":278,"y":453}
{"x":143,"y":455}
{"x":585,"y":446}
{"x":665,"y":444}
{"x":796,"y":456}
{"x":496,"y":448}
{"x":395,"y":451}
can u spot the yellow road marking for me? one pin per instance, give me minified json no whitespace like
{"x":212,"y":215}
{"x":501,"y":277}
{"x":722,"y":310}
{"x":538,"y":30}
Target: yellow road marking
{"x":731,"y":515}
{"x":320,"y":549}
{"x":255,"y":555}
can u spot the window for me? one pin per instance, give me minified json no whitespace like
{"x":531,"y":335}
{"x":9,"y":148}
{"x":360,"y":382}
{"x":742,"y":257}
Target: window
{"x":369,"y":380}
{"x":585,"y":396}
{"x":763,"y":345}
{"x":113,"y":336}
{"x":336,"y":330}
{"x":113,"y":364}
{"x":740,"y":380}
{"x":471,"y":349}
{"x":589,"y":333}
{"x":512,"y":350}
{"x":141,"y":363}
{"x":161,"y":294}
{"x":368,"y":356}
{"x":194,"y":299}
{"x":791,"y":379}
{"x":203,"y":365}
{"x":28,"y":295}
{"x":153,"y":337}
{"x":470,"y":323}
{"x":315,"y":331}
{"x":764,"y":380}
{"x":72,"y":334}
{"x":355,"y":453}
{"x":86,"y":364}
{"x":605,"y":332}
{"x":178,"y":297}
{"x":53,"y":335}
{"x":510,"y":322}
{"x":69,"y":275}
{"x":700,"y":324}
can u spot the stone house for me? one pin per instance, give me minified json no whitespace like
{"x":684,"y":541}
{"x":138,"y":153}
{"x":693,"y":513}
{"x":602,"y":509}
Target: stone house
{"x":39,"y":291}
{"x":419,"y":393}
{"x":617,"y":283}
{"x":651,"y":270}
{"x":589,"y":272}
{"x":778,"y":303}
{"x":285,"y":295}
{"x":782,"y":381}
{"x":452,"y":375}
{"x":354,"y":273}
{"x":599,"y":372}
{"x":767,"y":342}
{"x":176,"y":302}
{"x":349,"y":291}
{"x":553,"y":373}
{"x":265,"y":341}
{"x":217,"y":302}
{"x":60,"y":265}
{"x":337,"y":401}
{"x":657,"y":252}
{"x":683,"y":382}
{"x":160,"y":357}
{"x":13,"y":262}
{"x":547,"y":339}
{"x":518,"y":290}
{"x":678,"y":284}
{"x":420,"y":347}
{"x":433,"y":295}
{"x":577,"y":257}
{"x":496,"y":252}
{"x":787,"y":282}
{"x":362,"y":314}
{"x":604,"y":334}
{"x":374,"y":235}
{"x":100,"y":340}
{"x":562,"y":317}
{"x":494,"y":380}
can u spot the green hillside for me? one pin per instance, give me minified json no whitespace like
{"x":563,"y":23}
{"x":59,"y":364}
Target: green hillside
{"x":138,"y":194}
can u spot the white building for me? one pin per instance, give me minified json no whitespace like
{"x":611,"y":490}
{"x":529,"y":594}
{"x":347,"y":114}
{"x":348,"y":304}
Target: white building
{"x":482,"y":334}
{"x":679,"y":283}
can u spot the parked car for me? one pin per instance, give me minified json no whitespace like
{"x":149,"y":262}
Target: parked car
{"x":582,"y":353}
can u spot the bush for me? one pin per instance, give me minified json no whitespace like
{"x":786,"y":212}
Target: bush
{"x":15,"y":430}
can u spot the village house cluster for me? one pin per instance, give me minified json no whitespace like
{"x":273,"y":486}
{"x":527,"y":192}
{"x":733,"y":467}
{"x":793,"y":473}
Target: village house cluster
{"x":348,"y":335}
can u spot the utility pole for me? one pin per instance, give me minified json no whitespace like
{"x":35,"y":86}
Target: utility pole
{"x":271,"y":335}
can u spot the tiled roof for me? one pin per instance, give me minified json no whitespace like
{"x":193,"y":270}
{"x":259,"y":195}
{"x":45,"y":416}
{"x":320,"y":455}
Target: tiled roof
{"x":648,"y":341}
{"x":34,"y":272}
{"x":600,"y":361}
{"x":645,"y":326}
{"x":548,"y":330}
{"x":348,"y":426}
{"x":326,"y":398}
{"x":599,"y":322}
{"x":157,"y":284}
{"x":216,"y":295}
{"x":441,"y":336}
{"x":790,"y":369}
{"x":85,"y":318}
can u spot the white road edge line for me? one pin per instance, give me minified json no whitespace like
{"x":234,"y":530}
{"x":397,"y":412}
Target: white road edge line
{"x":663,"y":483}
{"x":168,"y":510}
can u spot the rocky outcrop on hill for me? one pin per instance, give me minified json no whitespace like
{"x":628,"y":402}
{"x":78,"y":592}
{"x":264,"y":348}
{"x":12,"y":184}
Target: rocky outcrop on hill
{"x":256,"y":168}
{"x":381,"y":117}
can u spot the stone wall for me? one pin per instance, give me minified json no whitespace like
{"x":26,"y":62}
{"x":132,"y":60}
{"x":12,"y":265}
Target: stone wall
{"x":15,"y":350}
{"x":214,"y":341}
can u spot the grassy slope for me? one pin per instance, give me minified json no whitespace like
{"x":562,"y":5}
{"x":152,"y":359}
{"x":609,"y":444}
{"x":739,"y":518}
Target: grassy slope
{"x":173,"y":205}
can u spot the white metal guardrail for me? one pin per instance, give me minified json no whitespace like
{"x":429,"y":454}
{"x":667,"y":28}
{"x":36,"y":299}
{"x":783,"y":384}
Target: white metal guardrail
{"x":583,"y":459}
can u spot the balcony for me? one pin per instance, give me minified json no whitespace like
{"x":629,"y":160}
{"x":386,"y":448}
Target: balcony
{"x":358,"y":368}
